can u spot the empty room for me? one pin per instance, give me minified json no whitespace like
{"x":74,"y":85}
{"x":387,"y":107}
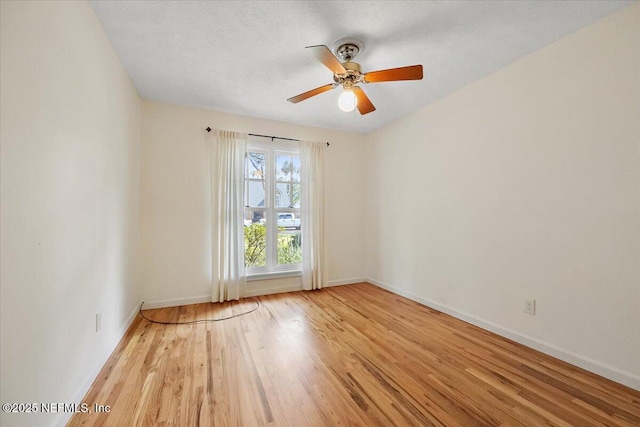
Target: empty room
{"x":319,"y":213}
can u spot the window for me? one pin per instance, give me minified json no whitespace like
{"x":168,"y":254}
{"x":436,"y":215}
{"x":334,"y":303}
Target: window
{"x":272,"y":236}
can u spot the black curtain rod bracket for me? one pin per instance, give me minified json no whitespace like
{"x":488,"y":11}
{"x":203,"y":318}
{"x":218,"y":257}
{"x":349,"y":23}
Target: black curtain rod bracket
{"x":268,"y":136}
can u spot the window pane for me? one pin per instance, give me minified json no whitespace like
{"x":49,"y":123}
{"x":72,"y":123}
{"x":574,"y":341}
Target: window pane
{"x":287,"y":220}
{"x":283,"y":195}
{"x":283,"y":168}
{"x":255,"y":239}
{"x":254,"y":217}
{"x":289,"y":247}
{"x":294,"y":196}
{"x":287,"y":195}
{"x":254,"y":194}
{"x":254,"y":165}
{"x":295,"y":170}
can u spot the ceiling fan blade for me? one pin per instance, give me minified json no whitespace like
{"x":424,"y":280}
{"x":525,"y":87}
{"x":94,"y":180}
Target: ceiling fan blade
{"x":364,"y":103}
{"x":312,"y":92}
{"x":413,"y":72}
{"x":324,"y":55}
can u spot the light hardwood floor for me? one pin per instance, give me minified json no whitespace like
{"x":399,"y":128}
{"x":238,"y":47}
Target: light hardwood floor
{"x":349,"y":355}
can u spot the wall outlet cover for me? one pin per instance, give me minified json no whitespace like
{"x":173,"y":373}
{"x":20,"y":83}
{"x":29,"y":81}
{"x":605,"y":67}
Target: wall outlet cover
{"x":530,"y":306}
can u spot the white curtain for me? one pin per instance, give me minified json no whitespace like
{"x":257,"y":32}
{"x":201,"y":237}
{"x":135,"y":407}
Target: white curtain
{"x":314,"y":273}
{"x":226,"y":155}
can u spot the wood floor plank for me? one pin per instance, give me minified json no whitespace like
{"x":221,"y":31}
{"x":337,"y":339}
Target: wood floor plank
{"x":346,"y":356}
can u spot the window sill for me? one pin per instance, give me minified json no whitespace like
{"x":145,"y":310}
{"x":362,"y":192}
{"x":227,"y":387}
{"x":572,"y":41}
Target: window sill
{"x":273,"y":275}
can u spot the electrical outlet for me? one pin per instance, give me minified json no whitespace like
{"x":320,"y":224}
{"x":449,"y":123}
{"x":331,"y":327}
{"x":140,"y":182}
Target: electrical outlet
{"x":98,"y":321}
{"x":530,"y":306}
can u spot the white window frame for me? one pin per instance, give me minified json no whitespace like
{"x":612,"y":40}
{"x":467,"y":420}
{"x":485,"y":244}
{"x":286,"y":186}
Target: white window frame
{"x":272,"y":269}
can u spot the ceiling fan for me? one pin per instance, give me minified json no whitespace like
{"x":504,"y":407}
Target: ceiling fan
{"x":348,"y":75}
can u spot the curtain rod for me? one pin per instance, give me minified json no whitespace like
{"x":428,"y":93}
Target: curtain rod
{"x":269,"y":136}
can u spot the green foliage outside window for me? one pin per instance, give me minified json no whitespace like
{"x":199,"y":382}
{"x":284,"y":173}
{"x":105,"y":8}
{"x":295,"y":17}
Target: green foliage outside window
{"x":289,"y":248}
{"x":255,"y":244}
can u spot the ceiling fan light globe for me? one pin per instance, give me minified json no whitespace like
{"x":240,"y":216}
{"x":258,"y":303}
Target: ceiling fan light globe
{"x":347,"y":101}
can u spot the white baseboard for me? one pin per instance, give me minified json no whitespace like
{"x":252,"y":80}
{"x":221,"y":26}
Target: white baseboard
{"x":176,"y":302}
{"x":584,"y":362}
{"x":294,"y":288}
{"x":275,"y":290}
{"x":63,"y":418}
{"x":350,"y":281}
{"x":297,"y":287}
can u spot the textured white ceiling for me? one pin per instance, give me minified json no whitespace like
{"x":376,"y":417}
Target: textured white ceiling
{"x":248,"y":57}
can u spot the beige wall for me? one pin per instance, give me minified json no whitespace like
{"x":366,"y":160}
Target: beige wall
{"x":175,"y":220}
{"x":524,"y":184}
{"x":70,"y":147}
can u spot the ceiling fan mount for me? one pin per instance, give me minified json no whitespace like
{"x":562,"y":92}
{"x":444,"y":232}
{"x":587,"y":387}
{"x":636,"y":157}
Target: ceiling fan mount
{"x":347,"y":49}
{"x":348,"y":75}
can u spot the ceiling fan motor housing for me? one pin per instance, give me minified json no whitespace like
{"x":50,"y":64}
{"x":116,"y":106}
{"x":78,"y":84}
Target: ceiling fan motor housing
{"x":352,"y":75}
